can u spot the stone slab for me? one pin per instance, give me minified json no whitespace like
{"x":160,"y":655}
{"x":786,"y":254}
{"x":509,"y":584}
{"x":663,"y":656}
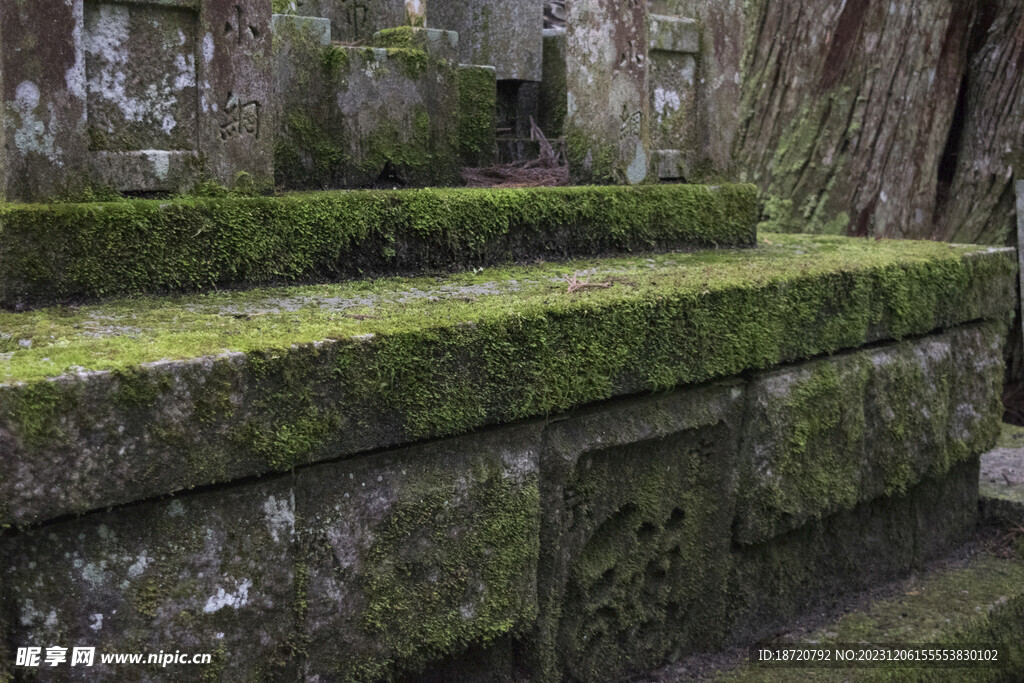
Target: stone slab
{"x":959,"y":603}
{"x":705,"y":143}
{"x":607,"y":123}
{"x":44,"y":98}
{"x":359,"y":117}
{"x":638,"y":502}
{"x":437,"y":42}
{"x":355,"y":21}
{"x":251,"y":382}
{"x":855,"y":550}
{"x":317,"y":29}
{"x":588,"y":545}
{"x":553,"y":94}
{"x":56,"y":254}
{"x":505,"y":34}
{"x":673,"y":34}
{"x":674,"y":46}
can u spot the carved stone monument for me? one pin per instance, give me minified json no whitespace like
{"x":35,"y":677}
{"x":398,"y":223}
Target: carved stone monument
{"x":139,"y":96}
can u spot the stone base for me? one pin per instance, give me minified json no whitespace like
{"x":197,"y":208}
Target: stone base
{"x":588,"y":546}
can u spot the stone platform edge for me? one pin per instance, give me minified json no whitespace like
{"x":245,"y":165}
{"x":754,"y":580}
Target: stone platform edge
{"x":100,"y":437}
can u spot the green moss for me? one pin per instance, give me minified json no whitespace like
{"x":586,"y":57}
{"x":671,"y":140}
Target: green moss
{"x":1011,"y":436}
{"x":64,"y":252}
{"x":477,"y":103}
{"x":489,"y":540}
{"x":591,"y":161}
{"x":981,"y":605}
{"x":328,"y":370}
{"x":400,"y":37}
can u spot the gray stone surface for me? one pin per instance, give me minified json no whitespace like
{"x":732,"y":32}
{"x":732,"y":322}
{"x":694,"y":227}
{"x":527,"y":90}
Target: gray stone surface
{"x":414,"y":556}
{"x":209,"y":573}
{"x":317,"y":29}
{"x":553,"y":95}
{"x":356,"y":570}
{"x":826,"y":436}
{"x":602,"y":541}
{"x":706,"y":149}
{"x":44,"y":98}
{"x":505,"y":34}
{"x":439,"y":43}
{"x":607,"y":125}
{"x":140,"y":96}
{"x":357,"y":20}
{"x":674,"y":43}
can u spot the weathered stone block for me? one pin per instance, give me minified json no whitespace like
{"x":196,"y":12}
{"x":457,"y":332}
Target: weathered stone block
{"x":137,"y":96}
{"x":209,"y":573}
{"x":853,"y":550}
{"x":705,"y":130}
{"x":434,"y":41}
{"x":415,"y":556}
{"x":354,"y":21}
{"x":364,"y":116}
{"x":637,"y":507}
{"x":505,"y":34}
{"x":608,"y":110}
{"x":823,"y":437}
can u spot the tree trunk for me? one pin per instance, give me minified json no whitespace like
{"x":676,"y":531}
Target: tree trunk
{"x":896,"y":118}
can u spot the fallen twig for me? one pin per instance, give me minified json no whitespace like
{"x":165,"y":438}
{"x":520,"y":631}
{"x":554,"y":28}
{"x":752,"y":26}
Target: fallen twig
{"x":576,"y":285}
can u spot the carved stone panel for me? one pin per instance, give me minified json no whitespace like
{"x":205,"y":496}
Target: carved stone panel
{"x":674,"y":44}
{"x":135,"y":95}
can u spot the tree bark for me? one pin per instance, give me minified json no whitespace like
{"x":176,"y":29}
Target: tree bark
{"x":895,"y":118}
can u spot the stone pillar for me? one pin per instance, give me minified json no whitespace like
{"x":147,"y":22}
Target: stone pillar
{"x":674,"y":43}
{"x":141,"y":96}
{"x":236,"y":132}
{"x":43,"y":98}
{"x":717,"y":84}
{"x":505,"y":34}
{"x":607,"y":123}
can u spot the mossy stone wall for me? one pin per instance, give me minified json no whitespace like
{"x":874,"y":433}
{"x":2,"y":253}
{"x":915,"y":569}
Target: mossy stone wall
{"x":582,"y":547}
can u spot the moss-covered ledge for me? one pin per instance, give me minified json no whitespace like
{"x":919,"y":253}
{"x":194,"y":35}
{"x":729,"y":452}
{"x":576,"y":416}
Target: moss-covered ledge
{"x":108,"y":404}
{"x":58,"y":253}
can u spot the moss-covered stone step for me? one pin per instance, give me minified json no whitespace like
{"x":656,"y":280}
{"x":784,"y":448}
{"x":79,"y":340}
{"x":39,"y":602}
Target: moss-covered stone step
{"x":979,"y":604}
{"x":1002,"y":478}
{"x":108,"y":404}
{"x":61,"y":253}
